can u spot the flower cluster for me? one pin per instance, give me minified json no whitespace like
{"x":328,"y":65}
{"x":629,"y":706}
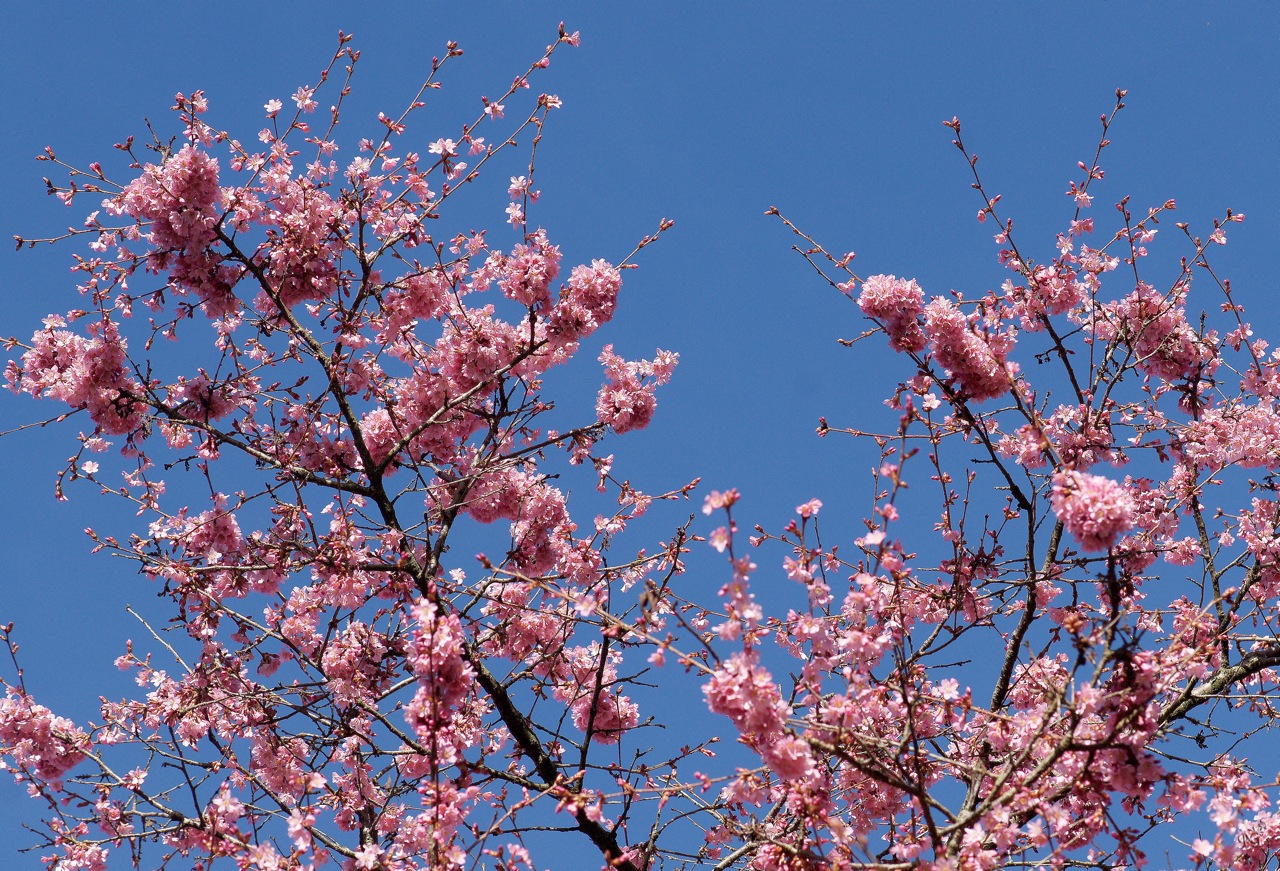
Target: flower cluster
{"x":1094,"y":509}
{"x":92,"y":373}
{"x":38,"y":741}
{"x":896,"y":303}
{"x":975,"y":357}
{"x":1155,"y":327}
{"x":745,"y":693}
{"x":180,"y":202}
{"x":626,"y":401}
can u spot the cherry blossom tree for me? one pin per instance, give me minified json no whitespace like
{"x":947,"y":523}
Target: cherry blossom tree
{"x":1082,"y":649}
{"x":1061,"y":655}
{"x":353,"y":387}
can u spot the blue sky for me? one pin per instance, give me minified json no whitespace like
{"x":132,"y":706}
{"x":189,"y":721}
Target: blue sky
{"x":707,"y":113}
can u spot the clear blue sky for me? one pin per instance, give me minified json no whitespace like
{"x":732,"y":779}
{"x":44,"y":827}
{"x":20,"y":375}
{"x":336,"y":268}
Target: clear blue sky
{"x":707,"y":113}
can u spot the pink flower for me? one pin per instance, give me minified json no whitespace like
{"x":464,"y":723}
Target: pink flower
{"x":367,"y":856}
{"x":790,"y":758}
{"x":526,"y":275}
{"x":716,"y":500}
{"x":1048,"y":292}
{"x":446,"y":148}
{"x":181,"y":202}
{"x":91,"y":373}
{"x":302,"y":97}
{"x":606,"y":717}
{"x":1094,"y":509}
{"x":809,"y":509}
{"x":625,"y":402}
{"x":975,"y":359}
{"x":625,"y":405}
{"x":895,"y":303}
{"x":35,"y":738}
{"x":1155,"y":327}
{"x":745,"y":692}
{"x":587,"y":302}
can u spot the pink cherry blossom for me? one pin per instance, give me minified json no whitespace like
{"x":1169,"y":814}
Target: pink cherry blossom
{"x":1094,"y":509}
{"x":897,"y":305}
{"x":970,"y":353}
{"x":627,"y":399}
{"x":35,"y":738}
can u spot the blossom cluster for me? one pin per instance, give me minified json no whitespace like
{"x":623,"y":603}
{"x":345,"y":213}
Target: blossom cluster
{"x":37,"y":740}
{"x":896,"y":303}
{"x":1094,"y":509}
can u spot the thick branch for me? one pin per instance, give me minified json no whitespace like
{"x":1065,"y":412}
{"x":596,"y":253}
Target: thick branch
{"x":1221,"y":680}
